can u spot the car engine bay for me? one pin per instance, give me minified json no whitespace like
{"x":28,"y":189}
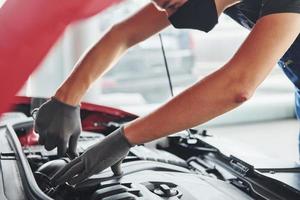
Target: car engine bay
{"x":147,"y":174}
{"x":182,"y":166}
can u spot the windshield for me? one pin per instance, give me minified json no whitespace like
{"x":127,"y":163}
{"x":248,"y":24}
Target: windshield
{"x":138,"y":83}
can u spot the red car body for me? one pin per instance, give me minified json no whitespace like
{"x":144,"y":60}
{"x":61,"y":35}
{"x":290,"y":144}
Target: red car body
{"x":94,"y":118}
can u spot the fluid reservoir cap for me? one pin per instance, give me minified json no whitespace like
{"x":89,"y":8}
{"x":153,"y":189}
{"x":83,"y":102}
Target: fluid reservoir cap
{"x":165,"y":191}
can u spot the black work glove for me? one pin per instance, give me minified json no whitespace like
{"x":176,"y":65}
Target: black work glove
{"x":59,"y":125}
{"x":108,"y":152}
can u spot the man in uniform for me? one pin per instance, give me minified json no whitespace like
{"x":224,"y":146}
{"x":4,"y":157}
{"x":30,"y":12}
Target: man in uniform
{"x":275,"y":28}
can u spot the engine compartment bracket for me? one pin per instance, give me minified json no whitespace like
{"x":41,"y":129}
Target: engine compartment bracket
{"x":7,"y":156}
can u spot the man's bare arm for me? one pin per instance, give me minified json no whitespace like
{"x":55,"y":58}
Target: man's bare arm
{"x":226,"y":88}
{"x":112,"y":46}
{"x":109,"y":49}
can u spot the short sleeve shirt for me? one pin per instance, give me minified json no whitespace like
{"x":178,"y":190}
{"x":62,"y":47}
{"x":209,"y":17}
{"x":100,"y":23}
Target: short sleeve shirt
{"x":247,"y":12}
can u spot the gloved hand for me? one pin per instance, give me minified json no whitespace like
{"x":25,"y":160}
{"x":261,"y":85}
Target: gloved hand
{"x":59,"y":125}
{"x":108,"y":152}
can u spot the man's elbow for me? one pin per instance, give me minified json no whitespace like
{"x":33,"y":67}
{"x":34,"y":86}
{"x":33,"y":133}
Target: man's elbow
{"x":241,"y":92}
{"x":242,"y":96}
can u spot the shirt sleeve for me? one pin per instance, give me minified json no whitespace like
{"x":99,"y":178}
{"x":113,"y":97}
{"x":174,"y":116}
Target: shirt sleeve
{"x":280,"y":6}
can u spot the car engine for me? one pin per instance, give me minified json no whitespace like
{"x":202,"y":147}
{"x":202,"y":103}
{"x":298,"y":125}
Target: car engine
{"x":147,"y":174}
{"x":187,"y":165}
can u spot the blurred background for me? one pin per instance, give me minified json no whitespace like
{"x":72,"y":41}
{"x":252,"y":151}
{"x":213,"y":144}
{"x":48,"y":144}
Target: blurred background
{"x":138,"y":83}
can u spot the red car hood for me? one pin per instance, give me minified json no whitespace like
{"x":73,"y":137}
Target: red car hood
{"x":95,"y":118}
{"x":28,"y":31}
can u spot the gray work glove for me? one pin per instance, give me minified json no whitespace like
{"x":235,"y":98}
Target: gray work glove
{"x":108,"y":152}
{"x":59,"y":125}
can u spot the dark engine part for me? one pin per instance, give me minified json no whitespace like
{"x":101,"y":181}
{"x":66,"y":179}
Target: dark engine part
{"x":141,"y":180}
{"x":162,"y":184}
{"x":51,"y":167}
{"x":153,"y":160}
{"x":43,"y":177}
{"x":148,"y":174}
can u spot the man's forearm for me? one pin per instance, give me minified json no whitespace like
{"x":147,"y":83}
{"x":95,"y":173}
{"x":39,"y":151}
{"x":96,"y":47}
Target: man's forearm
{"x":109,"y":49}
{"x":94,"y":63}
{"x":210,"y":97}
